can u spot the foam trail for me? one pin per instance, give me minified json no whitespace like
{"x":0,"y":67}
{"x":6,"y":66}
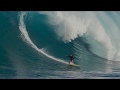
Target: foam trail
{"x":25,"y":36}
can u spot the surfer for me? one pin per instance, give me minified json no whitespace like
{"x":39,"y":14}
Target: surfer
{"x":71,"y":58}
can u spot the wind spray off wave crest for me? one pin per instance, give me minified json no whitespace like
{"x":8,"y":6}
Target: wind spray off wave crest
{"x":27,"y":39}
{"x":67,"y":24}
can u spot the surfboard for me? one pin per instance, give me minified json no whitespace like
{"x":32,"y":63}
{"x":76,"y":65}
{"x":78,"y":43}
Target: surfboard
{"x":72,"y":64}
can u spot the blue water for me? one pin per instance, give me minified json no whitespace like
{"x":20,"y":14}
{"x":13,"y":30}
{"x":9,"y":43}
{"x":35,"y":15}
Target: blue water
{"x":34,"y":44}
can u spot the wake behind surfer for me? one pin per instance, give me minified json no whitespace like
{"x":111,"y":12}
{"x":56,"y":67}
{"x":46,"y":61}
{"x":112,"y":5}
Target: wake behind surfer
{"x":71,"y":58}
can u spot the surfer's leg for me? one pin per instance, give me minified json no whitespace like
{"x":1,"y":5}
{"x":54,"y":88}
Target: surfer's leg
{"x":72,"y":61}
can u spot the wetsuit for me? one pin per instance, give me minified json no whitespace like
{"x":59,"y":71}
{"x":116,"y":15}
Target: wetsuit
{"x":71,"y":58}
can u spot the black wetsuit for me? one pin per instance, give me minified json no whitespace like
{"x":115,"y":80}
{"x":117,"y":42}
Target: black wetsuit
{"x":71,"y":57}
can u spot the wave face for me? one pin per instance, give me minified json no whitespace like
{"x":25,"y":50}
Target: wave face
{"x":35,"y":43}
{"x":101,"y":30}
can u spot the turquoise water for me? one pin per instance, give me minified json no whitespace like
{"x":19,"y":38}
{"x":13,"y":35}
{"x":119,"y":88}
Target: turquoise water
{"x":34,"y":44}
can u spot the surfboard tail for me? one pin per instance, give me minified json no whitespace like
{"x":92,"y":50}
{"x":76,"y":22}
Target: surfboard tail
{"x":72,"y":64}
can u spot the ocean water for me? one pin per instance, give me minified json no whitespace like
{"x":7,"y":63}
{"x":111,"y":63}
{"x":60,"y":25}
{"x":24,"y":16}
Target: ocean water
{"x":34,"y":44}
